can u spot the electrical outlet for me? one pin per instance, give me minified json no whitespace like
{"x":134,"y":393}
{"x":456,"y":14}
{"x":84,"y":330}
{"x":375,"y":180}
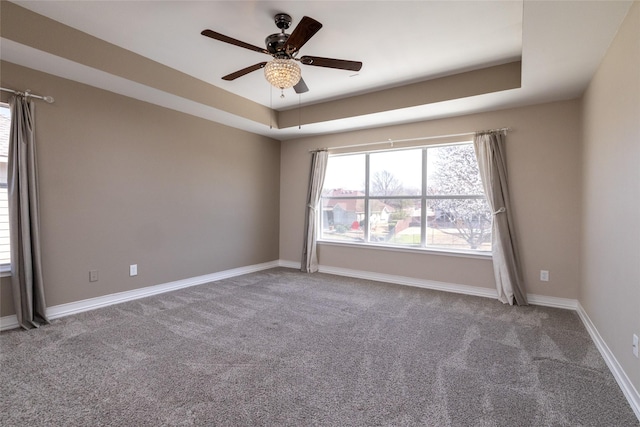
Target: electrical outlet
{"x":133,"y":270}
{"x":635,"y":345}
{"x":93,"y":275}
{"x":544,"y":275}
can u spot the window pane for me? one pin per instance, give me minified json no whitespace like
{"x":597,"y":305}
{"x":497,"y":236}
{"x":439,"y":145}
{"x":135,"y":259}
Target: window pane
{"x":397,"y":223}
{"x":342,"y":219}
{"x":5,"y":253}
{"x":345,"y":173}
{"x":453,"y":170}
{"x":395,"y":173}
{"x":456,"y":215}
{"x":459,"y":224}
{"x":5,"y":125}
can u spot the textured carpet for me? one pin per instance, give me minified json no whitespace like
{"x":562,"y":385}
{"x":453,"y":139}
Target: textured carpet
{"x":283,"y":348}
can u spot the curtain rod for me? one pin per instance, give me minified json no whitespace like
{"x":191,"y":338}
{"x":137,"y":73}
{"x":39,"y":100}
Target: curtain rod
{"x":27,"y":93}
{"x":424,"y":138}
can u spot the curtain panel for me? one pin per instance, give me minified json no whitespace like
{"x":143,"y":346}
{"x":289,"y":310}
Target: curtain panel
{"x":24,"y":217}
{"x":316,"y":181}
{"x":490,"y":152}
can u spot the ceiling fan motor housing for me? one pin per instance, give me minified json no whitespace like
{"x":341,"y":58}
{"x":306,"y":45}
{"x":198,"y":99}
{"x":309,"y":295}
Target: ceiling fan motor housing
{"x":276,"y":43}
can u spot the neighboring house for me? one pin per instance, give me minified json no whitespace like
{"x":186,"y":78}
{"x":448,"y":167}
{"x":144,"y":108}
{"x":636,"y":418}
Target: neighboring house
{"x":339,"y":208}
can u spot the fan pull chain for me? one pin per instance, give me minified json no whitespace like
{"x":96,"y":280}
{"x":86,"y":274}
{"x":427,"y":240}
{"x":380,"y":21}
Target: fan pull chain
{"x":299,"y":112}
{"x":270,"y":107}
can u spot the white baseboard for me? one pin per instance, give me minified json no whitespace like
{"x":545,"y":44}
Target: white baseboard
{"x":8,"y":322}
{"x":619,"y":374}
{"x":543,"y":300}
{"x":534,"y":299}
{"x":411,"y":281}
{"x":289,"y":264}
{"x":55,"y":312}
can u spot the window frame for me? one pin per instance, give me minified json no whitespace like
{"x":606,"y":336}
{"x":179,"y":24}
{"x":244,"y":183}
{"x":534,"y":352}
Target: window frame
{"x":423,"y":197}
{"x":5,"y":268}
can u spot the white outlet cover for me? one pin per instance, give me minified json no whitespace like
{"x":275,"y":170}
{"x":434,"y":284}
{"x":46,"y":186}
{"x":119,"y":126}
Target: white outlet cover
{"x":133,"y":270}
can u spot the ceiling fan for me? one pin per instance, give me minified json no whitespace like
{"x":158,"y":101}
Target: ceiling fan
{"x":283,"y":72}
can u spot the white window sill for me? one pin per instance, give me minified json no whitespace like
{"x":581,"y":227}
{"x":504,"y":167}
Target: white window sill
{"x":392,"y":248}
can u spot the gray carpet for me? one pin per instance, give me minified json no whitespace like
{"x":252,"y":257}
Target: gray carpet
{"x":283,"y":348}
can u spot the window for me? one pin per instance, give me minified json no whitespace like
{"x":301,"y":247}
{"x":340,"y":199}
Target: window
{"x":5,"y":123}
{"x":427,"y":197}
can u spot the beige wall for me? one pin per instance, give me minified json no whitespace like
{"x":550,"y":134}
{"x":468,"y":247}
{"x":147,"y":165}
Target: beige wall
{"x":126,"y":182}
{"x":543,"y":153}
{"x":610,"y":291}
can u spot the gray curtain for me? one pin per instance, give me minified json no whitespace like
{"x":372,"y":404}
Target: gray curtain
{"x":490,"y":152}
{"x":24,"y":220}
{"x":316,"y":181}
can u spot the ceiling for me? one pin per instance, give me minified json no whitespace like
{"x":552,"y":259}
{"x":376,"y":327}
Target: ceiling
{"x":560,"y":44}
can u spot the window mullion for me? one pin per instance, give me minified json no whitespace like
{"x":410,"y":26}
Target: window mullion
{"x":423,"y":201}
{"x":366,"y":198}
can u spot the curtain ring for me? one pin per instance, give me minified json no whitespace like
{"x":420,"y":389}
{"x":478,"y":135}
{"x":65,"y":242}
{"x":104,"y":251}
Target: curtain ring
{"x":499,"y":211}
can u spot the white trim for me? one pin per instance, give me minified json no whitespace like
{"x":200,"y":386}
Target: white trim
{"x":55,"y":312}
{"x":546,"y":301}
{"x":411,"y":281}
{"x":8,"y":322}
{"x":289,"y":264}
{"x":629,"y":391}
{"x":542,"y":300}
{"x":410,"y":249}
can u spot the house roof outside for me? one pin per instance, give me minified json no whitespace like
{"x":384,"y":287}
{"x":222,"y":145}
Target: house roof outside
{"x":338,"y":198}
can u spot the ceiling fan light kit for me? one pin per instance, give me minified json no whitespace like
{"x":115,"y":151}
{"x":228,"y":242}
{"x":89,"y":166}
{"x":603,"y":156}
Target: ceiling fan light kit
{"x":283,"y":72}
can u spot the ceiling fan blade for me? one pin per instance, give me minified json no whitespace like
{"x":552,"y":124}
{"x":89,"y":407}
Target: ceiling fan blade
{"x":301,"y":87}
{"x":227,"y":39}
{"x":306,"y":28}
{"x":340,"y":64}
{"x":244,"y":71}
